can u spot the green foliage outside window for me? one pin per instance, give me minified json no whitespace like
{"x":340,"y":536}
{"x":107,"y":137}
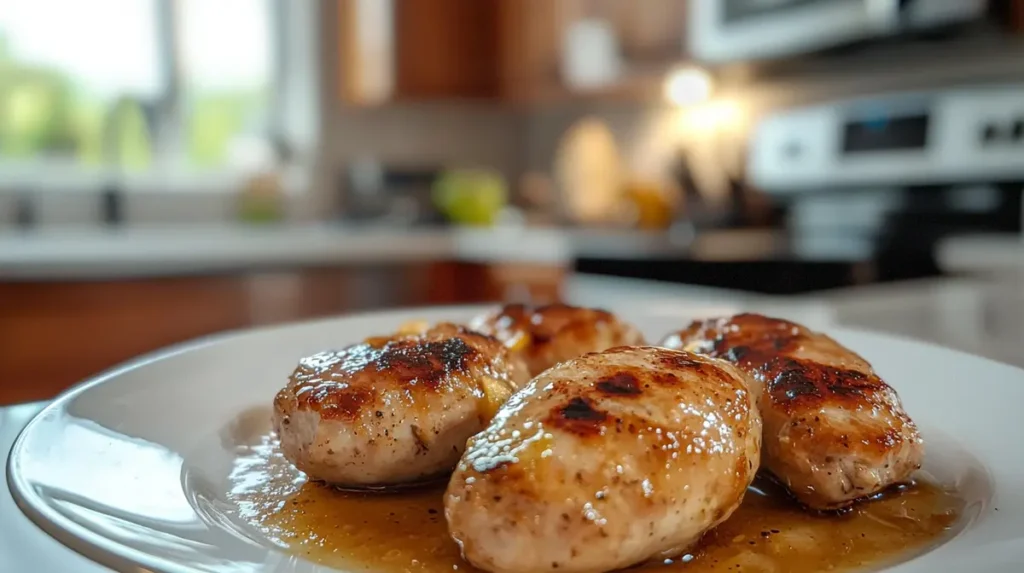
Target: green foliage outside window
{"x":44,"y":114}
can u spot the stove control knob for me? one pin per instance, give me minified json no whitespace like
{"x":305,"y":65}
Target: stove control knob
{"x":1017,"y":130}
{"x":989,"y":133}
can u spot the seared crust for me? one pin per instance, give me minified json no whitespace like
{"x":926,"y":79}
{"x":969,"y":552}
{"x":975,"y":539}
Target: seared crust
{"x":547,"y":335}
{"x":833,"y":430}
{"x":605,"y":461}
{"x":393,"y":410}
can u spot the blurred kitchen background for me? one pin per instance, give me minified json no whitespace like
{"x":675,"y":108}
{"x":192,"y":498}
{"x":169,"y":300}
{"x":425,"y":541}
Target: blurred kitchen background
{"x":175,"y":168}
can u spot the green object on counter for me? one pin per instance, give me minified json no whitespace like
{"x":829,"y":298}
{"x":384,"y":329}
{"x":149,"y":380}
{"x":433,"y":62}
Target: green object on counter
{"x":254,"y":213}
{"x":470,"y":197}
{"x":261,"y":200}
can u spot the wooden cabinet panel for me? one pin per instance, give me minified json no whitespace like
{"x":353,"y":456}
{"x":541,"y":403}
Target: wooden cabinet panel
{"x":55,"y":334}
{"x":446,"y":48}
{"x":530,"y":35}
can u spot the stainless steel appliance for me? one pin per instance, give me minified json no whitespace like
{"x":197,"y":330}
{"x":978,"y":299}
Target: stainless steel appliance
{"x":892,"y":175}
{"x":733,"y":30}
{"x":923,"y":138}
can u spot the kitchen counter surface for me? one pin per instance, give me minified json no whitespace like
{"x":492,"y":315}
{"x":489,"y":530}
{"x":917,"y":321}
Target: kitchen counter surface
{"x":983,"y":253}
{"x":162,"y":251}
{"x":982,"y":316}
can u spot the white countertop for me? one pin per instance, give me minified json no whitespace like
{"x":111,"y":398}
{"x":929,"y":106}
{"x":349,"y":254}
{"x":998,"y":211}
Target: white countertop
{"x":152,"y":251}
{"x":984,"y":253}
{"x":74,"y":253}
{"x":976,"y":315}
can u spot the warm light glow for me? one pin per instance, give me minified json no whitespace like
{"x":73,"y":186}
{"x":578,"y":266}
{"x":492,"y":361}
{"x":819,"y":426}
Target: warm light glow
{"x":711,"y":116}
{"x":687,"y":86}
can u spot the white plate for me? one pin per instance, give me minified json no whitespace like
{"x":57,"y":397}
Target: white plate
{"x":131,"y":468}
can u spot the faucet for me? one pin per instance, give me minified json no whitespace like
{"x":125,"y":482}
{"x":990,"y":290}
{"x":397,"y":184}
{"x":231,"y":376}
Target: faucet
{"x":113,"y":154}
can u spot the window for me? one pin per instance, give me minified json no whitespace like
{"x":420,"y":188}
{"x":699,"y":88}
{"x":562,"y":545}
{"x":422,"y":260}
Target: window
{"x":137,"y":84}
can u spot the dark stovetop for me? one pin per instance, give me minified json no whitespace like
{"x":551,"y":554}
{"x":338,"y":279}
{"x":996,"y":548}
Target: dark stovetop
{"x":776,"y":276}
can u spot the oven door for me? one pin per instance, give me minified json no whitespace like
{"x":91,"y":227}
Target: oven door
{"x":731,"y":30}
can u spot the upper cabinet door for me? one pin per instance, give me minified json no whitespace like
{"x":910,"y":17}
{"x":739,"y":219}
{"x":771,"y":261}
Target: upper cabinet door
{"x":418,"y":49}
{"x":530,"y":36}
{"x":446,"y":49}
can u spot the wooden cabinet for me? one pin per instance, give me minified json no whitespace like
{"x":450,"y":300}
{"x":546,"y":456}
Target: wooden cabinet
{"x":418,"y":50}
{"x":499,"y":50}
{"x":530,"y":36}
{"x":56,"y":333}
{"x":446,"y":48}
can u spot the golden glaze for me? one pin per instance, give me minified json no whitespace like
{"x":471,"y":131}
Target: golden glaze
{"x":604,"y":461}
{"x":406,"y":532}
{"x":834,"y":431}
{"x":547,"y":335}
{"x":393,"y":409}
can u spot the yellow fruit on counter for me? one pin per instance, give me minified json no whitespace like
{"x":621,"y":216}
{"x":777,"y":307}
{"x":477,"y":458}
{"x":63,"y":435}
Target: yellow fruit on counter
{"x":655,"y":210}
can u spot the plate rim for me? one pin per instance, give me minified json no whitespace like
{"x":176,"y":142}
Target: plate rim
{"x":120,"y":557}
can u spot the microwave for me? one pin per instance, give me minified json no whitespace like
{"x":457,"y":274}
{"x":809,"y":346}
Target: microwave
{"x":720,"y":31}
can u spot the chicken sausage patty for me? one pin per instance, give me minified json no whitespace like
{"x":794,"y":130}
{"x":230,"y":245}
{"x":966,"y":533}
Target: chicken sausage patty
{"x":606,"y":461}
{"x":834,"y":432}
{"x":393,"y":410}
{"x":547,"y":335}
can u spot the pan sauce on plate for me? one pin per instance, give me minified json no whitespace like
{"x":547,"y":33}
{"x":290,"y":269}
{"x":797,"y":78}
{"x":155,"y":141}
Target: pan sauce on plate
{"x":406,"y":531}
